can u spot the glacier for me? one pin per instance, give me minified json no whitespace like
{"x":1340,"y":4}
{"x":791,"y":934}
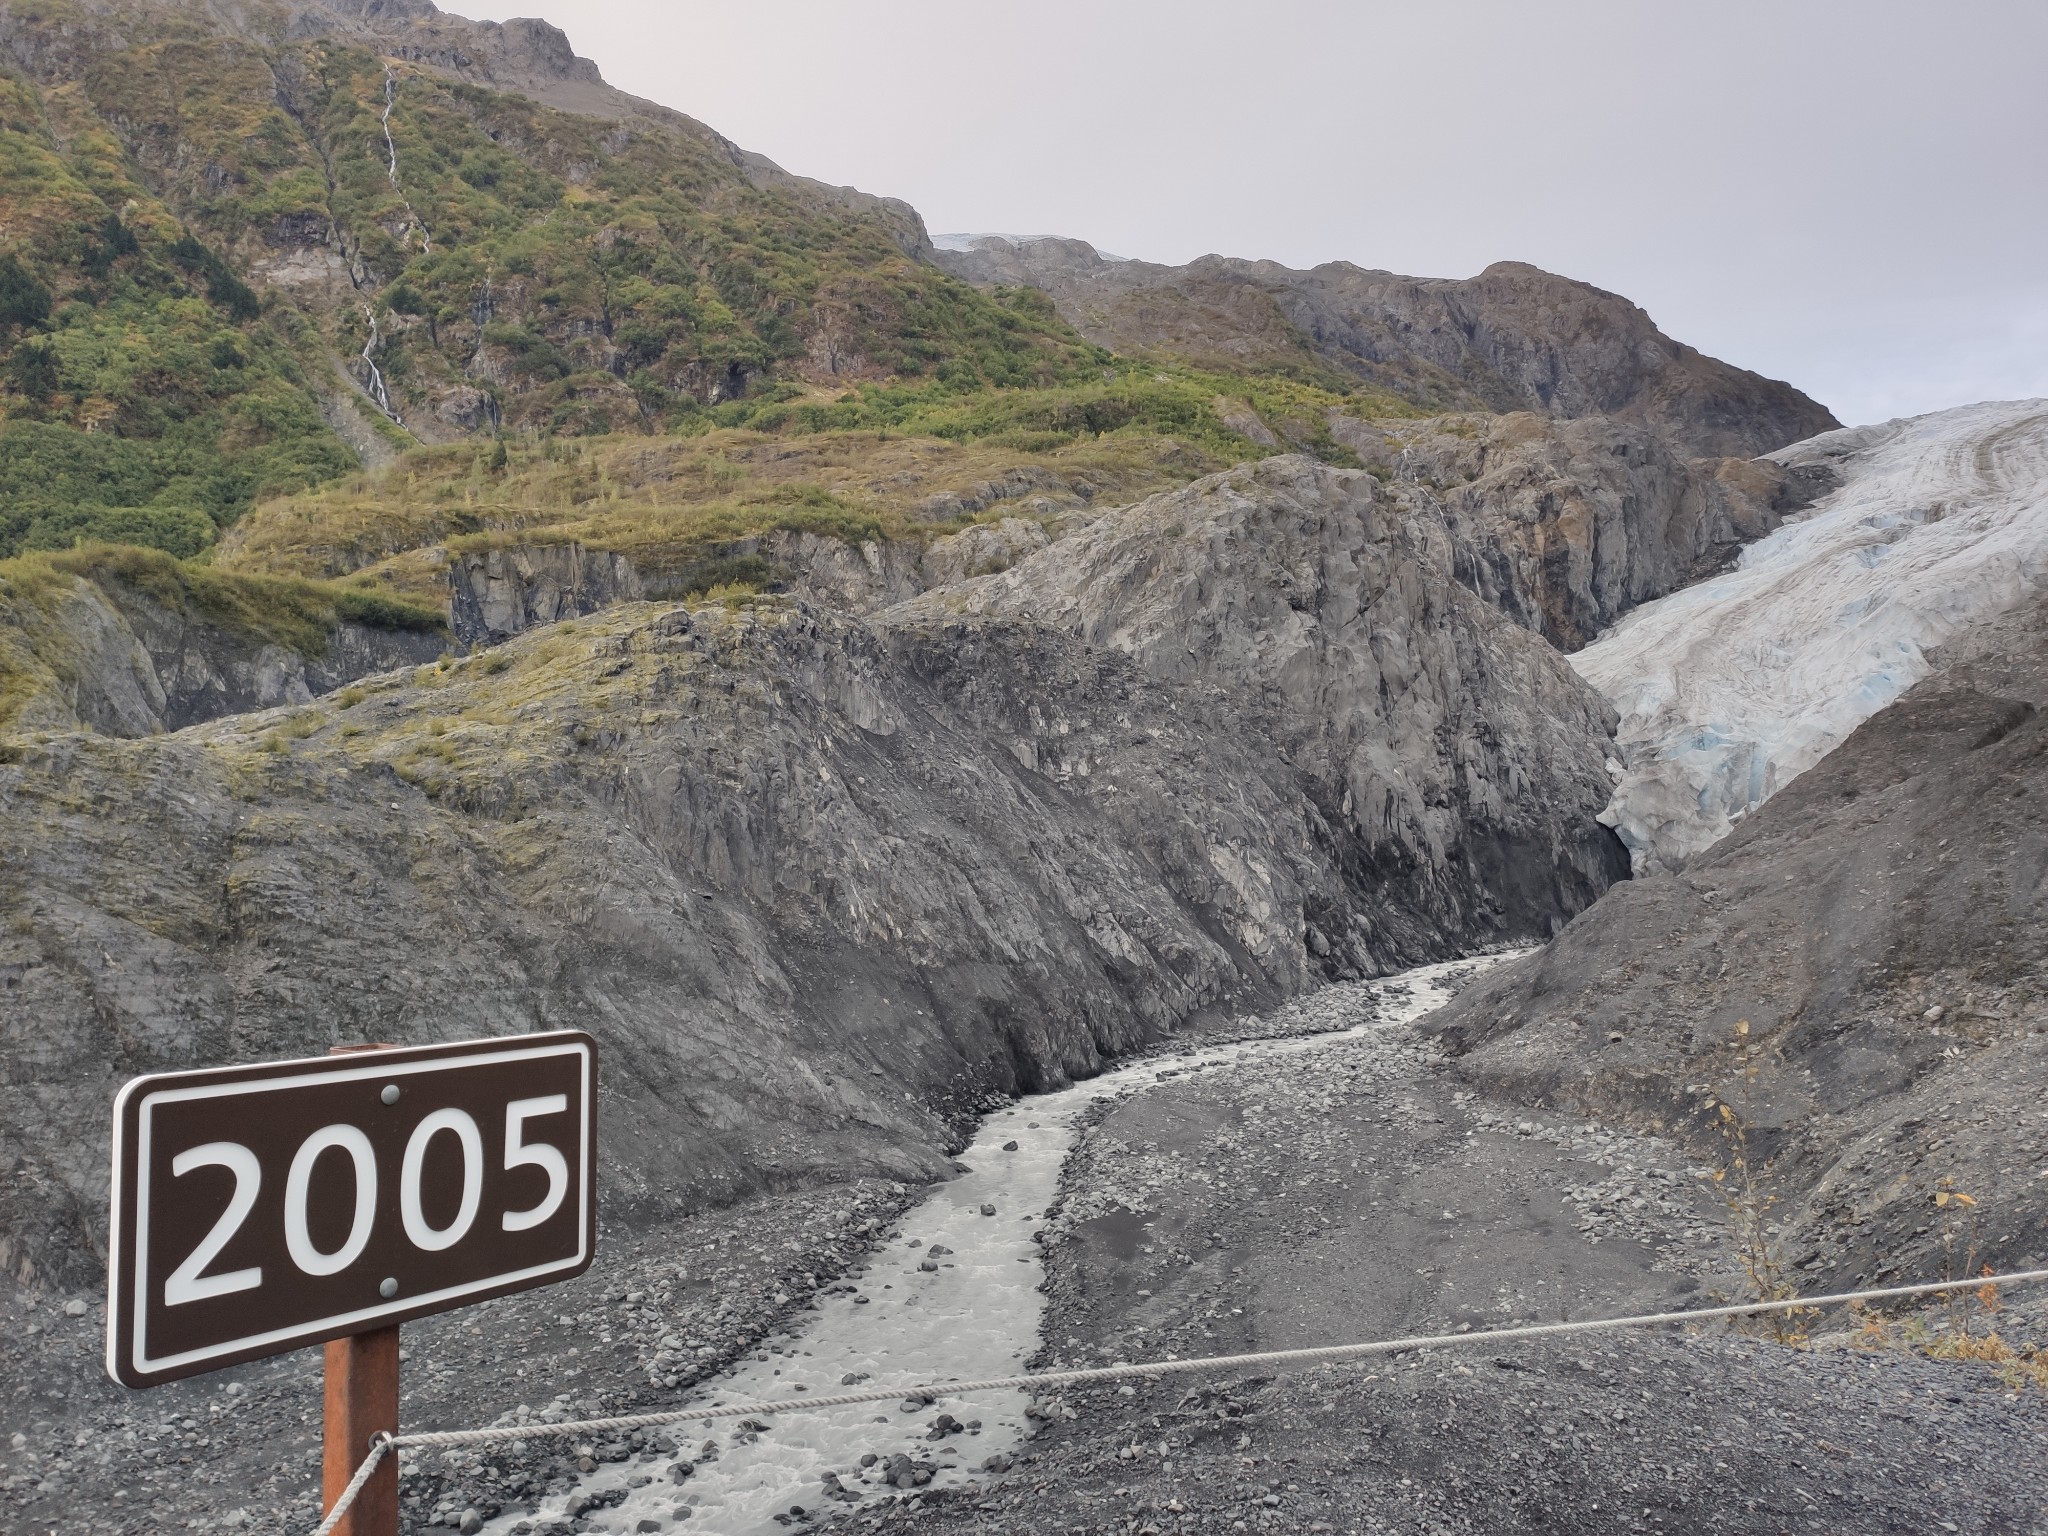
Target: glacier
{"x":1729,"y":689}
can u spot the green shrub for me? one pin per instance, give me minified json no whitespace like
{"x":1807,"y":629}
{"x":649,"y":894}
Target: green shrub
{"x":33,"y":371}
{"x":180,"y":531}
{"x":222,"y":286}
{"x":727,"y":572}
{"x":23,"y":300}
{"x":384,"y":610}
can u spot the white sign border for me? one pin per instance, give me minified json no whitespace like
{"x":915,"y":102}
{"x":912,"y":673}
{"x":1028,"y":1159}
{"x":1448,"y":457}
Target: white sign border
{"x":320,"y":1069}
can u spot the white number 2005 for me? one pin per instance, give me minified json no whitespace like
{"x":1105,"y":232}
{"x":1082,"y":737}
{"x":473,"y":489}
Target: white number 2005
{"x":190,"y":1282}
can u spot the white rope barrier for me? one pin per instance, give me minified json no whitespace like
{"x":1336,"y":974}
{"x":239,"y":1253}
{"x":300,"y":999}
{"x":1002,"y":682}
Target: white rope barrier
{"x":1041,"y":1380}
{"x":380,"y":1445}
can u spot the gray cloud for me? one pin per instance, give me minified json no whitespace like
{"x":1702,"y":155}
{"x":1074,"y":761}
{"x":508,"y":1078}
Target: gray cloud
{"x":1850,"y":194}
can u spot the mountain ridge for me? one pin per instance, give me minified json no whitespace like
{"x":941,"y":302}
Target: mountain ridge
{"x":534,"y":57}
{"x":1452,"y":343}
{"x":255,"y":244}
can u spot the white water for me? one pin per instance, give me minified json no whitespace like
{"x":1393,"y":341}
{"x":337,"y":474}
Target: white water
{"x":378,"y":392}
{"x":976,"y":1317}
{"x":391,"y":149}
{"x":1728,"y":690}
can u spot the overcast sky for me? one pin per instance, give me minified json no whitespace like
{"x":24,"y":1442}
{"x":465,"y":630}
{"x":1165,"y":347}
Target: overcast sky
{"x":1850,"y":194}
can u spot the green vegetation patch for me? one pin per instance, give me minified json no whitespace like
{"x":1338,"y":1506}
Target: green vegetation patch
{"x":888,"y":462}
{"x":577,"y":277}
{"x":144,"y":396}
{"x":1162,"y":399}
{"x":638,"y":347}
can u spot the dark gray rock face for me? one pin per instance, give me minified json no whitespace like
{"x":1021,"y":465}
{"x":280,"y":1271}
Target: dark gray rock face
{"x":820,"y":885}
{"x":495,"y":594}
{"x":1566,"y":525}
{"x":871,"y":575}
{"x":115,"y":659}
{"x":1877,"y":924}
{"x":205,"y":674}
{"x":1449,"y":755}
{"x":811,"y":912}
{"x":1512,"y":338}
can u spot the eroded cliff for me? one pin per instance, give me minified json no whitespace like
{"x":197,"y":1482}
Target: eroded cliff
{"x":130,"y":642}
{"x":821,"y":885}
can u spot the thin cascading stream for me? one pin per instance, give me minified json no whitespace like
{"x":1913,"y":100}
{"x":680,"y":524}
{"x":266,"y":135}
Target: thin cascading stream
{"x":391,"y":167}
{"x":375,"y":382}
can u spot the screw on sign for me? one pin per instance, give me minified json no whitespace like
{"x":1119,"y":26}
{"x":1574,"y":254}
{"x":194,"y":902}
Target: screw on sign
{"x":260,"y":1209}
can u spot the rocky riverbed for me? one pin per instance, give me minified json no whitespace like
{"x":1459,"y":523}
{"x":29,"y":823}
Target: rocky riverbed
{"x":682,"y":1302}
{"x":1280,"y":1191}
{"x":1364,"y":1192}
{"x":239,"y":1449}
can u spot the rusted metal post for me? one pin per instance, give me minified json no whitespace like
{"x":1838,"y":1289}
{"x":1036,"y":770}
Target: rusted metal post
{"x":361,"y":1399}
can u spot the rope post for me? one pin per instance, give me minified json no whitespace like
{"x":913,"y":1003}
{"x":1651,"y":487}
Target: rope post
{"x":361,"y":1401}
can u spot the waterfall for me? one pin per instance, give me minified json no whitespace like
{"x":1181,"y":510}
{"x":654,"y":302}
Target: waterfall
{"x":375,"y":385}
{"x":391,"y":168}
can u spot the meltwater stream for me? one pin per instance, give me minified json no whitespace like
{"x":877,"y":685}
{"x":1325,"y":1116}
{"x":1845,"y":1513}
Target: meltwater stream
{"x":893,"y":1323}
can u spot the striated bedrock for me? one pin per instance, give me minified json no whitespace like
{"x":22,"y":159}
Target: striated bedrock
{"x":811,"y":914}
{"x":496,"y":593}
{"x":820,"y":885}
{"x":1514,"y":338}
{"x":1563,"y":525}
{"x":1455,"y":759}
{"x":1567,"y":525}
{"x":100,"y":653}
{"x":1877,"y":926}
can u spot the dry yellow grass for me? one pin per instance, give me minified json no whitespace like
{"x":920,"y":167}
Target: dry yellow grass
{"x":1962,"y":1329}
{"x":665,"y":502}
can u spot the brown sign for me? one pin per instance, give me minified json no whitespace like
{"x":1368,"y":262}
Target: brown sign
{"x":259,"y":1209}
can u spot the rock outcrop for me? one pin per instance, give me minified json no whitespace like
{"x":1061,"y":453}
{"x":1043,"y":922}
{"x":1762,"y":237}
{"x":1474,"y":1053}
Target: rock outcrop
{"x":810,"y":910}
{"x":821,"y":885}
{"x":1514,"y":338}
{"x":1856,"y":971}
{"x":1567,"y":525}
{"x":873,"y":574}
{"x":495,"y":594}
{"x":107,"y":655}
{"x":1445,"y":751}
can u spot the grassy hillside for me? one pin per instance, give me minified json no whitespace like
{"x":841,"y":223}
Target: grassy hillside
{"x":144,"y":393}
{"x":884,"y":462}
{"x":238,"y":262}
{"x":198,"y":228}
